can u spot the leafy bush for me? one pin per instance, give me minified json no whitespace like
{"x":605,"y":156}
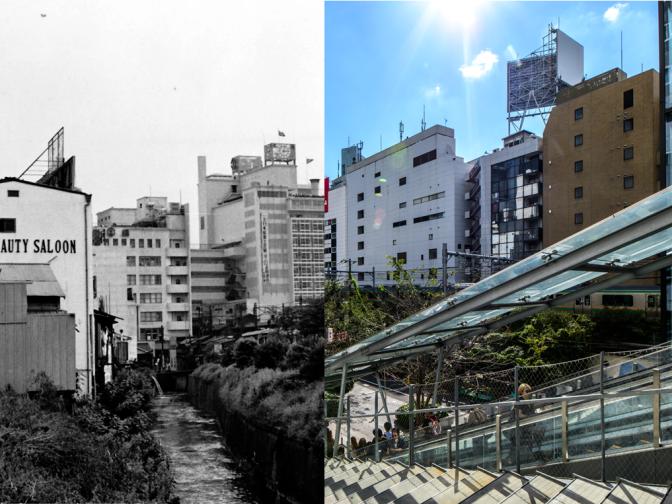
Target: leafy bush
{"x":243,"y":352}
{"x":93,"y":454}
{"x":270,"y":353}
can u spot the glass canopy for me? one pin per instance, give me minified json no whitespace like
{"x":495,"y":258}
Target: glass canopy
{"x":633,"y":242}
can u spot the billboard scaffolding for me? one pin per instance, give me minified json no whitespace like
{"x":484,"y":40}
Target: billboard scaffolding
{"x":534,"y":81}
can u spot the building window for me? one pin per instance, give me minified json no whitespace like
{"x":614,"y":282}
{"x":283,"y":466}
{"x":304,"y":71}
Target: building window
{"x":617,"y":300}
{"x":141,"y":243}
{"x":628,"y":124}
{"x":150,"y":279}
{"x":115,"y":242}
{"x":132,"y":240}
{"x":202,"y":222}
{"x":429,"y":217}
{"x":578,"y":114}
{"x":401,"y":257}
{"x":157,"y":243}
{"x":130,"y":279}
{"x":130,"y":260}
{"x":402,"y":204}
{"x":431,"y":236}
{"x":360,"y":245}
{"x":123,"y":242}
{"x":402,"y":181}
{"x":151,"y":316}
{"x":360,"y":230}
{"x":150,"y":297}
{"x":399,"y":223}
{"x":628,"y":98}
{"x":628,"y":182}
{"x":376,"y":190}
{"x":578,"y":166}
{"x":432,"y":254}
{"x":377,"y":174}
{"x":12,"y":193}
{"x":578,"y":218}
{"x":628,"y":153}
{"x":424,"y":158}
{"x":360,"y":261}
{"x":394,"y":242}
{"x":360,"y":277}
{"x":124,"y":232}
{"x":7,"y":225}
{"x":149,"y":261}
{"x":360,"y":214}
{"x":234,"y":188}
{"x":129,"y":294}
{"x":149,"y":242}
{"x":578,"y":192}
{"x":360,"y":196}
{"x":578,"y":140}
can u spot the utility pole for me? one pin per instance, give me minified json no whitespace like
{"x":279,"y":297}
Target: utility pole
{"x":349,"y":275}
{"x":444,"y":264}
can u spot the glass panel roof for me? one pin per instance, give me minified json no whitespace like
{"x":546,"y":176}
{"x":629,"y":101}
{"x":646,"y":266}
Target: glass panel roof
{"x":562,"y":282}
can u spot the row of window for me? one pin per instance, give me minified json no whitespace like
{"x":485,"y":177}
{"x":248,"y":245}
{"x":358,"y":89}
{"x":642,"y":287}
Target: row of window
{"x":144,"y":261}
{"x":628,"y":183}
{"x":628,"y":102}
{"x":433,"y":254}
{"x":156,"y":243}
{"x":144,"y":280}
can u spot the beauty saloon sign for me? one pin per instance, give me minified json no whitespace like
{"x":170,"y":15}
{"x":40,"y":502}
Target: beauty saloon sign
{"x":37,"y":246}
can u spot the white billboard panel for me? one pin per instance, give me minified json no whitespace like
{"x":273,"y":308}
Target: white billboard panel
{"x":570,"y":59}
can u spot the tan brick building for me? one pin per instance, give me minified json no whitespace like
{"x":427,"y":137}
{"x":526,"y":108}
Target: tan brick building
{"x":601,"y":150}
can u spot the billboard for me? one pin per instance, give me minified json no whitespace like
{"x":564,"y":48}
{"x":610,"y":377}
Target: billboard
{"x":570,"y":59}
{"x":280,"y":153}
{"x":531,"y":82}
{"x":245,"y":163}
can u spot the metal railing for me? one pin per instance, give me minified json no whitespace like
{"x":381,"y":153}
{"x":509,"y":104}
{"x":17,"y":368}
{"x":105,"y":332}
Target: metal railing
{"x":526,"y":433}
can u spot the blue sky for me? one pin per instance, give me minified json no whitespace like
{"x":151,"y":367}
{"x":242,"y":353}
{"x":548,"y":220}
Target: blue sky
{"x":384,"y":60}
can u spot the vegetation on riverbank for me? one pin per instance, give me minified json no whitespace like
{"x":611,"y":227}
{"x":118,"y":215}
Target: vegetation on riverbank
{"x":91,"y":451}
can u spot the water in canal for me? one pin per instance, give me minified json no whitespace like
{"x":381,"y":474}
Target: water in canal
{"x":204,"y":471}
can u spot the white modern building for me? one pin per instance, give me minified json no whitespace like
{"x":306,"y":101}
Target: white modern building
{"x":270,"y":227}
{"x":404,"y":203}
{"x":141,"y":268}
{"x":45,"y":235}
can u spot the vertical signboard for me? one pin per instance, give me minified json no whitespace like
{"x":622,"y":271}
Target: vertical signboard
{"x":326,"y":194}
{"x":265,"y":260}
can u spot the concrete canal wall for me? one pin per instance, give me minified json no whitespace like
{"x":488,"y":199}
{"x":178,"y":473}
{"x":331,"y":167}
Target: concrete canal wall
{"x":288,"y":468}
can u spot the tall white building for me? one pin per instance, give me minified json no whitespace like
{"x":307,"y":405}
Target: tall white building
{"x":403,"y":202}
{"x":269,"y":226}
{"x":141,"y":268}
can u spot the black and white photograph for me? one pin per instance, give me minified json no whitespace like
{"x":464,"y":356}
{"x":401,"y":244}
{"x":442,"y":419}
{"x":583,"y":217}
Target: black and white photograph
{"x":161,"y":251}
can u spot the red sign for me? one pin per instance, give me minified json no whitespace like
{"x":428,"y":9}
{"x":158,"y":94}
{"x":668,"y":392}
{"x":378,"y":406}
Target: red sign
{"x":326,"y":194}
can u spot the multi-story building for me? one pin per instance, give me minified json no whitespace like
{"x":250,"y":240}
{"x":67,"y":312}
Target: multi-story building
{"x":601,"y":150}
{"x":45,"y":252}
{"x":269,"y":226}
{"x":335,"y":227}
{"x":402,"y":203}
{"x":504,"y":204}
{"x":141,"y":268}
{"x":665,"y":135}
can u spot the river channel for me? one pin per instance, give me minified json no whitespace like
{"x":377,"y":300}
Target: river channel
{"x":204,"y":471}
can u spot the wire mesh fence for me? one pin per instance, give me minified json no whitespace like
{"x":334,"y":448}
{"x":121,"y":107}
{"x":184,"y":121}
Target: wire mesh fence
{"x":593,"y":417}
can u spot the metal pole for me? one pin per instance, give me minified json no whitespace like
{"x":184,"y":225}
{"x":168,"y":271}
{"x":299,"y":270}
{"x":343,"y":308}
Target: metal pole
{"x":382,"y":396}
{"x":498,"y":442}
{"x":437,"y":376}
{"x":655,"y":406}
{"x":337,"y":437}
{"x":411,"y":426}
{"x":373,"y":274}
{"x":602,"y":440}
{"x":326,"y":430}
{"x":564,"y":428}
{"x":375,"y":428}
{"x":444,"y":265}
{"x":348,"y":451}
{"x":517,"y":418}
{"x":449,"y":451}
{"x":457,"y":429}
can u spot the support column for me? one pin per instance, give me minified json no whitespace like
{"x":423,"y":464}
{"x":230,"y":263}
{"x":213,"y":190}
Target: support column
{"x":437,"y":376}
{"x":382,"y":396}
{"x":341,"y":394}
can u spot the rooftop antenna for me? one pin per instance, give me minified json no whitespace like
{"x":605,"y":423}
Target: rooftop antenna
{"x":348,"y":140}
{"x":621,"y":49}
{"x":338,"y":168}
{"x":401,"y":131}
{"x":423,"y":123}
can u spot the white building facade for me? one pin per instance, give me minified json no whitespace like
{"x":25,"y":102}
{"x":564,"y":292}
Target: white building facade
{"x":43,"y":225}
{"x":403,"y":203}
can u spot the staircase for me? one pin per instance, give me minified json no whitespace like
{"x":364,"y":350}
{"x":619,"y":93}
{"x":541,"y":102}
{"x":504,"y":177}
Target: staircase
{"x":356,"y":481}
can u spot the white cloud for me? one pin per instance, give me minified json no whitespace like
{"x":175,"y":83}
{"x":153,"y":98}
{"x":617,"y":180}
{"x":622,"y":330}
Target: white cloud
{"x":511,"y":52}
{"x":480,"y":66}
{"x":612,"y":14}
{"x":433,"y":92}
